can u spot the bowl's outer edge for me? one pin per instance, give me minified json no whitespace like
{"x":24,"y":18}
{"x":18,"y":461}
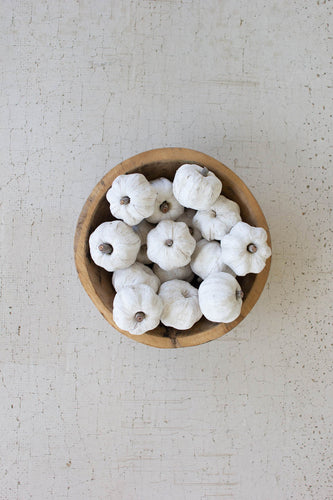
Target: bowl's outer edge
{"x":82,"y":234}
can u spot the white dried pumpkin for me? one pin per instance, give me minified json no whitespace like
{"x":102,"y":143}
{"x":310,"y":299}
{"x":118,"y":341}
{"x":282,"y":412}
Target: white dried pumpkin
{"x":137,"y":309}
{"x":114,"y":245}
{"x":196,"y":187}
{"x":207,"y":259}
{"x":166,"y":206}
{"x":179,"y":273}
{"x":170,"y":244}
{"x":142,"y":230}
{"x":220,"y":298}
{"x":218,"y":220}
{"x":180,"y":304}
{"x":136,"y":274}
{"x":131,"y":198}
{"x":245,"y":249}
{"x":187,"y":217}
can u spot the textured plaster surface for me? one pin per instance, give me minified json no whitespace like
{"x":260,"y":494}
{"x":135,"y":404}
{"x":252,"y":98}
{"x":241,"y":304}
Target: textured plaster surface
{"x":85,"y":412}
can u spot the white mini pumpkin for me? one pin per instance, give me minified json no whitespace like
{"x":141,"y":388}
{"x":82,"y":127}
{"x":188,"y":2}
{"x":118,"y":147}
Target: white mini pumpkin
{"x":142,"y":230}
{"x":218,"y":220}
{"x":136,"y":274}
{"x":170,"y":244}
{"x":220,"y":298}
{"x":180,"y":304}
{"x":207,"y":259}
{"x":180,"y":273}
{"x":196,"y":187}
{"x":187,"y":217}
{"x":131,"y":198}
{"x":166,"y":205}
{"x":137,"y":309}
{"x":114,"y":245}
{"x":245,"y":249}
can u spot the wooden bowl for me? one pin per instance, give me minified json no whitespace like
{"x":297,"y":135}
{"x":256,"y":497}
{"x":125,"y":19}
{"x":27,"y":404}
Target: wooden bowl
{"x":97,"y":282}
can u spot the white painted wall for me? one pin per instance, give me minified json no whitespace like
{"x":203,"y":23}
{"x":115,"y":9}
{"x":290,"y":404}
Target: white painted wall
{"x":85,"y":412}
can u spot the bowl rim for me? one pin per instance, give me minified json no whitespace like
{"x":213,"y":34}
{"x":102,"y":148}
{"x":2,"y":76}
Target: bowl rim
{"x":184,"y":155}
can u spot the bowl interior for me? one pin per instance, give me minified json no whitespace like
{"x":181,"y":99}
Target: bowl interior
{"x":101,"y":279}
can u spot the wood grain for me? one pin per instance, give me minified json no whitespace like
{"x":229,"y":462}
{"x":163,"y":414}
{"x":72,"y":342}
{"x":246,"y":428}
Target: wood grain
{"x":97,"y":282}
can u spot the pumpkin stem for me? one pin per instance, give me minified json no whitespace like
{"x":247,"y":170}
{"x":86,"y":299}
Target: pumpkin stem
{"x":164,"y":207}
{"x":125,"y":200}
{"x":191,"y":230}
{"x":205,"y":171}
{"x":252,"y":248}
{"x":140,"y":316}
{"x":169,"y":243}
{"x":239,"y":294}
{"x":144,"y":247}
{"x":105,"y":248}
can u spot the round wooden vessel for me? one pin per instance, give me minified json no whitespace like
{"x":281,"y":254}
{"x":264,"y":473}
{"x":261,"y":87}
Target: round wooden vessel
{"x":97,"y":282}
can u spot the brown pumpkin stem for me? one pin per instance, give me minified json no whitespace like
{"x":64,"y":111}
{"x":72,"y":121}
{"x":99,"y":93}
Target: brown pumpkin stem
{"x":205,"y":172}
{"x":164,"y":207}
{"x":239,"y":294}
{"x":125,"y":200}
{"x":144,"y":247}
{"x":140,"y":316}
{"x":252,"y":248}
{"x":213,"y":213}
{"x":105,"y":248}
{"x":169,"y":243}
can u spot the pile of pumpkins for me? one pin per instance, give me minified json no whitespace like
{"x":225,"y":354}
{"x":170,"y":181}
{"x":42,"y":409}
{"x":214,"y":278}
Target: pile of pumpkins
{"x":167,"y":235}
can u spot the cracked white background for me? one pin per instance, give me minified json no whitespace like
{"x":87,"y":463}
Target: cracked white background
{"x":85,"y":412}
